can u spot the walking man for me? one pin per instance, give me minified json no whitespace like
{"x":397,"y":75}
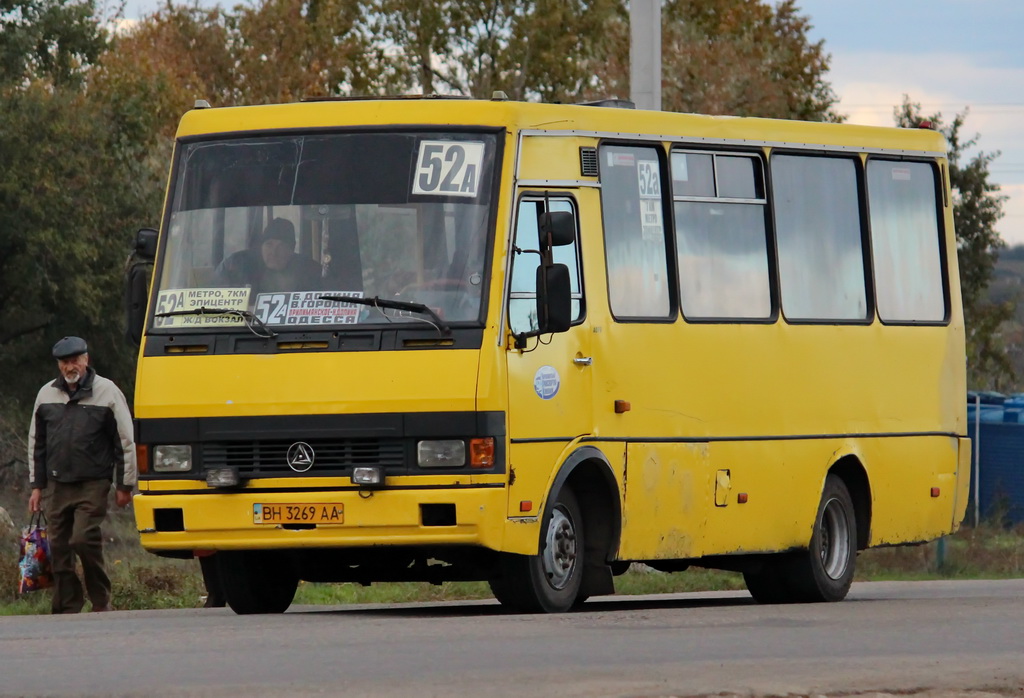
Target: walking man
{"x":80,"y":440}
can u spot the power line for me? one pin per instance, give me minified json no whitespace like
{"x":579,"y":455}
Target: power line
{"x":973,"y":110}
{"x":946,"y":104}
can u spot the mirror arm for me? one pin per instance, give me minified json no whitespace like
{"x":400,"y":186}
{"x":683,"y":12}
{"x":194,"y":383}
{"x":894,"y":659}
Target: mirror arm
{"x":546,"y":257}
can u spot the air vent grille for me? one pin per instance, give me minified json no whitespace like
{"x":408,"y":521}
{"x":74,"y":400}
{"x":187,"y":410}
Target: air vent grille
{"x":588,"y":162}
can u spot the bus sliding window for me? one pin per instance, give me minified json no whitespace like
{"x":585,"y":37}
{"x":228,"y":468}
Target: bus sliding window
{"x":721,"y":239}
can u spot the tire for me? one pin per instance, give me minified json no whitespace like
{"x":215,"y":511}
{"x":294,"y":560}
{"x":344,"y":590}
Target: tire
{"x":769,"y":584}
{"x":548,"y":582}
{"x":257,"y":581}
{"x":825,"y":571}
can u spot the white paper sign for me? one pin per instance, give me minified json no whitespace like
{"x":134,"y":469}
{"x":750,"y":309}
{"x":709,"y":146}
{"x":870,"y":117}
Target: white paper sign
{"x":448,"y":168}
{"x":185,"y":299}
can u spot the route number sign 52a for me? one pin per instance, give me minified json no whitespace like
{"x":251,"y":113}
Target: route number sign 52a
{"x":448,"y":168}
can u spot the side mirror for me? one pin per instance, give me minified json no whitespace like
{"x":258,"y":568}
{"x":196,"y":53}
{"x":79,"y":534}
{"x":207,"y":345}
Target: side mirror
{"x":554,"y":299}
{"x":136,"y":283}
{"x":136,"y":292}
{"x":145,"y":243}
{"x":560,"y":225}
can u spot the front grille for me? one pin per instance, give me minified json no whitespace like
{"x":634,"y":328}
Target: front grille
{"x":331,"y":456}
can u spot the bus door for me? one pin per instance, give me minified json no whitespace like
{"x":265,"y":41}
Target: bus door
{"x":549,"y":378}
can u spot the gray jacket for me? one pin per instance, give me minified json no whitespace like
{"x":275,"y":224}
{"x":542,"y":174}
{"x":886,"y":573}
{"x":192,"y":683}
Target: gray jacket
{"x":84,"y":435}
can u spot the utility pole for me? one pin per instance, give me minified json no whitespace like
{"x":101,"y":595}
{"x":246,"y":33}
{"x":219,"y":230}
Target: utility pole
{"x":645,"y":53}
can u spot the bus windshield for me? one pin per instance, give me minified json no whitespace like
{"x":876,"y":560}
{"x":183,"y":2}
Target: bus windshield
{"x":269,"y":225}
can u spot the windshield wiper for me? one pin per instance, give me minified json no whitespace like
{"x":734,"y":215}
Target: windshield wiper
{"x":252,"y":322}
{"x":376,"y":302}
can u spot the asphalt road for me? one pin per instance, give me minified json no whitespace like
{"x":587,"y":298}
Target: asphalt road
{"x":940,"y":638}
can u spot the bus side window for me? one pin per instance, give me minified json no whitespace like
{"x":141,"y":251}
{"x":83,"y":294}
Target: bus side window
{"x":905,"y":241}
{"x":818,"y":232}
{"x":522,"y":306}
{"x":634,"y":232}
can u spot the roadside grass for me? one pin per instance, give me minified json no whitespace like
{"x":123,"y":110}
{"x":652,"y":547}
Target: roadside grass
{"x":144,"y":581}
{"x":989,"y":551}
{"x":139,"y":579}
{"x":636,"y":581}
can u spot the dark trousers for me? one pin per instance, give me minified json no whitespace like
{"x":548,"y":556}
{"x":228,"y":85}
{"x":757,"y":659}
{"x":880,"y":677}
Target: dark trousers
{"x":74,"y":512}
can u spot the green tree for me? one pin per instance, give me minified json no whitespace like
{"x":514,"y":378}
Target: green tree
{"x":72,"y":191}
{"x":530,"y":49}
{"x":73,"y":186}
{"x":977,"y":207}
{"x":736,"y":57}
{"x":47,"y":39}
{"x":420,"y":31}
{"x":272,"y":51}
{"x":285,"y":50}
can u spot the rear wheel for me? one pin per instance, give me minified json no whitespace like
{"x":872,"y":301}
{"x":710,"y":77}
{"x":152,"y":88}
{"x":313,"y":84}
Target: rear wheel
{"x":548,"y":582}
{"x":825,"y":571}
{"x":257,"y":581}
{"x":768,"y":585}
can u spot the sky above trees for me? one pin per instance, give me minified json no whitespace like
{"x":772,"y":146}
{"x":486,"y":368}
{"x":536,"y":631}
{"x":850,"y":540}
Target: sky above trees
{"x":945,"y":55}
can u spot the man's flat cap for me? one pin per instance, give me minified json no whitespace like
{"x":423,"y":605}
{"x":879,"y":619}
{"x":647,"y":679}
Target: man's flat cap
{"x":68,"y":347}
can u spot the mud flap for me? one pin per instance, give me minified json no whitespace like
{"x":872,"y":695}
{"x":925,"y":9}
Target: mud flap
{"x":597,"y":580}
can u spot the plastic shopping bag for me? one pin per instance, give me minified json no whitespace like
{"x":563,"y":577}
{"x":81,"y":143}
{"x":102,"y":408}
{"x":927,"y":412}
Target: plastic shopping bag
{"x":34,"y":563}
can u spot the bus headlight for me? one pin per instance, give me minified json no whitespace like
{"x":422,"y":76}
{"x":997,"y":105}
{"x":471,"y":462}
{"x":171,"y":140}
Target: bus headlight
{"x":450,"y":453}
{"x":172,"y":459}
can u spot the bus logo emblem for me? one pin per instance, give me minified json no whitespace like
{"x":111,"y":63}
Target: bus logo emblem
{"x":300,"y":456}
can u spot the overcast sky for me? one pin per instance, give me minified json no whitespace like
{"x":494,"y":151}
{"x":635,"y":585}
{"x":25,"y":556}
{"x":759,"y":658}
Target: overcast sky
{"x":944,"y":54}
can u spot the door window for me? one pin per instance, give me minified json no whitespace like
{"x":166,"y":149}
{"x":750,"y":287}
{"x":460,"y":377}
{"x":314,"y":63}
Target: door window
{"x":523,"y":298}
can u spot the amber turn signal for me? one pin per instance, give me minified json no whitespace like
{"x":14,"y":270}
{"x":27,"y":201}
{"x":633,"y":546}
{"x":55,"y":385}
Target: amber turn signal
{"x":142,"y":458}
{"x":481,"y":452}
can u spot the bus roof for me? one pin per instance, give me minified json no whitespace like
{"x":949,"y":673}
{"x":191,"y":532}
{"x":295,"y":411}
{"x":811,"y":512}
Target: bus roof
{"x":601,"y":121}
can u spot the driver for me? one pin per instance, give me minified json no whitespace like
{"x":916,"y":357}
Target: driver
{"x":273,"y":265}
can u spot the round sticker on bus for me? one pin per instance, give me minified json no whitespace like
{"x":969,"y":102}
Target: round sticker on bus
{"x":546,"y":382}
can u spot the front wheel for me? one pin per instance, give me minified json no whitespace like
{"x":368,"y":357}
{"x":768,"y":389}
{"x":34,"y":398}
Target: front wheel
{"x":257,"y":581}
{"x":548,"y":582}
{"x":825,"y":571}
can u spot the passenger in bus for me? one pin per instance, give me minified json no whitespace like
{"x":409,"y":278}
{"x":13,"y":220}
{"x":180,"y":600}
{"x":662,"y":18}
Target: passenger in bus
{"x":273,"y":265}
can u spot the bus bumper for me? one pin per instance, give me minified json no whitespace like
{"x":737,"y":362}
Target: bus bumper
{"x":206,"y":520}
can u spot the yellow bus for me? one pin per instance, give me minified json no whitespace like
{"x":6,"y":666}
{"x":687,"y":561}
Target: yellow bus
{"x":447,"y":339}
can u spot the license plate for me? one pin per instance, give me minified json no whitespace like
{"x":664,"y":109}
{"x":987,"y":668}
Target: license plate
{"x":298,"y":513}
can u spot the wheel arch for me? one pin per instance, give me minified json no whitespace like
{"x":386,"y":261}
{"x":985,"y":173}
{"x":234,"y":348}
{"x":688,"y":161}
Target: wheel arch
{"x":851,"y":471}
{"x":588,"y":472}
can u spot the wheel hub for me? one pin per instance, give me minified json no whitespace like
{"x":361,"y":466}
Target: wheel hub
{"x":560,"y":550}
{"x":834,"y":536}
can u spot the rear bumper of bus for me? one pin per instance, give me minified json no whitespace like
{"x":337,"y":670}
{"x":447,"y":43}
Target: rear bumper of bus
{"x":963,"y":481}
{"x":207,"y":520}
